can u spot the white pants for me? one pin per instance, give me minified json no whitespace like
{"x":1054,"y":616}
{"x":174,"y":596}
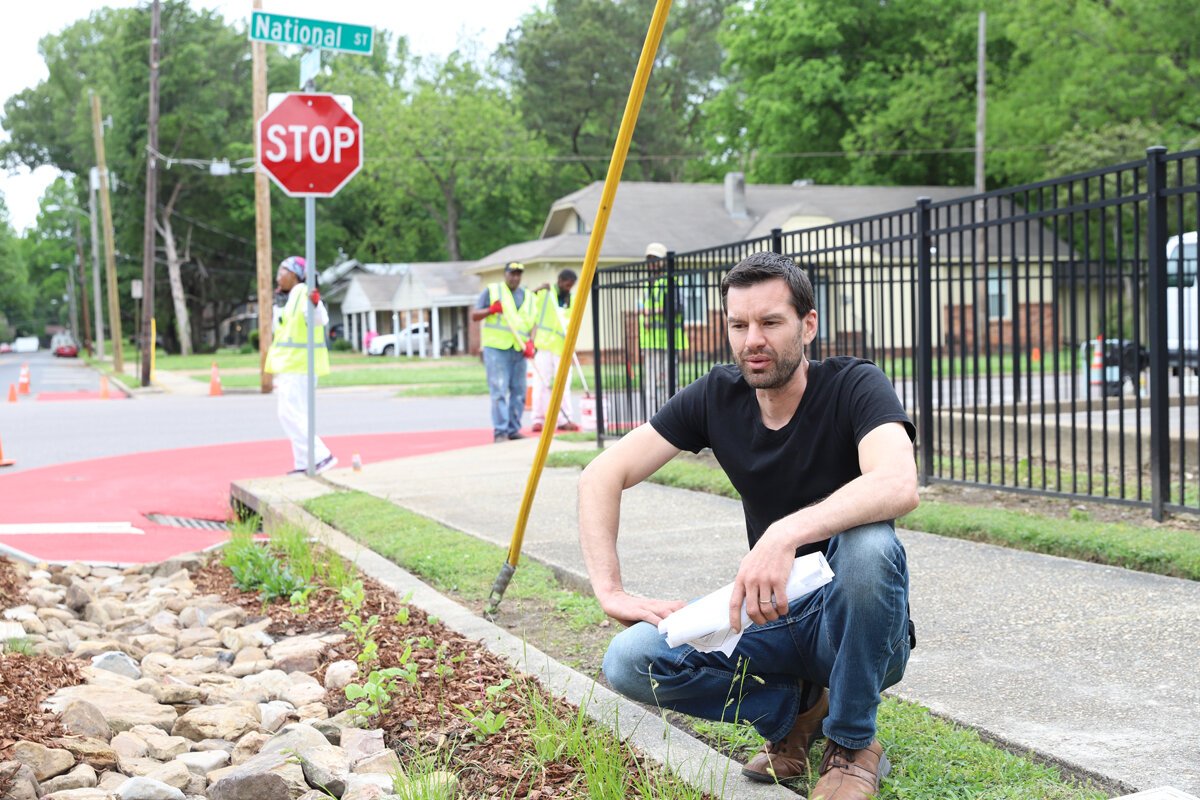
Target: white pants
{"x":543,"y":381}
{"x":291,"y":392}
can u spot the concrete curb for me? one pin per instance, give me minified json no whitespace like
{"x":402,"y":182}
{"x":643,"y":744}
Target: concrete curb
{"x":687,"y":757}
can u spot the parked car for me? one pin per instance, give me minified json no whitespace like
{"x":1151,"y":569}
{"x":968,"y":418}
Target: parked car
{"x":5,"y":347}
{"x":385,"y":344}
{"x":25,"y":344}
{"x":64,"y":345}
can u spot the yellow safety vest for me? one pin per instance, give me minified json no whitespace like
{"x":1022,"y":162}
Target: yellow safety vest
{"x":496,"y":332}
{"x":289,"y":347}
{"x":551,"y":333}
{"x":652,"y":327}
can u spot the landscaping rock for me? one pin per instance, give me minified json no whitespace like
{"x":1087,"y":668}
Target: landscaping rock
{"x":122,"y":708}
{"x":340,"y":674}
{"x":147,"y":789}
{"x":23,"y":784}
{"x":217,"y":722}
{"x":252,"y":786}
{"x":83,"y":719}
{"x":325,"y":766}
{"x":82,"y":777}
{"x":359,"y":743}
{"x":118,"y":662}
{"x":44,"y":761}
{"x":95,"y":752}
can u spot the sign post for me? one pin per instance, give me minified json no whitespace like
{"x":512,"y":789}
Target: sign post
{"x":310,"y":145}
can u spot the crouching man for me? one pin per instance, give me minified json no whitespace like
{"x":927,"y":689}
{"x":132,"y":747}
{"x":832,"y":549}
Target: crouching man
{"x":821,"y":453}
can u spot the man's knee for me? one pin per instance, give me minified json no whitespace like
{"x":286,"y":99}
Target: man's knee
{"x":626,"y":663}
{"x":867,"y":555}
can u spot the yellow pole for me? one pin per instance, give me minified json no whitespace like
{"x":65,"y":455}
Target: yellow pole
{"x":615,"y":166}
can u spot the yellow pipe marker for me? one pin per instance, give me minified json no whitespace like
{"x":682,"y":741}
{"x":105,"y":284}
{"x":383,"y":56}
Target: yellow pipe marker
{"x":620,"y":150}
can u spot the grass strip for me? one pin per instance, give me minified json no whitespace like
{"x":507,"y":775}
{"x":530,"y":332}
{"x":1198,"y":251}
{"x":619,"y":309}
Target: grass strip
{"x":931,"y":757}
{"x":1162,"y":551}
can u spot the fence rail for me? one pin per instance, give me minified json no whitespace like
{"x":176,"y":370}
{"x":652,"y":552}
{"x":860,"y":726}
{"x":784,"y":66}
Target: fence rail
{"x":1042,"y":337}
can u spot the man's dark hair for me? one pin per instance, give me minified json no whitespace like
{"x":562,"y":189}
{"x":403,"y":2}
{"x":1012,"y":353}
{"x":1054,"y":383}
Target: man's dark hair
{"x":568,"y":275}
{"x":759,"y":267}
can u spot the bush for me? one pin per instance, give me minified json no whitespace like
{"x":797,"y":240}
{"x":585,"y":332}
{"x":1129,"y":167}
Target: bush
{"x":252,"y":340}
{"x":247,"y":349}
{"x":341,"y":346}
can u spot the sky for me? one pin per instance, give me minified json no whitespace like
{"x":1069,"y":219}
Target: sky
{"x":432,"y":28}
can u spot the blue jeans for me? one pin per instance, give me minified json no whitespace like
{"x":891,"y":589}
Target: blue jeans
{"x":506,"y":384}
{"x":850,"y":635}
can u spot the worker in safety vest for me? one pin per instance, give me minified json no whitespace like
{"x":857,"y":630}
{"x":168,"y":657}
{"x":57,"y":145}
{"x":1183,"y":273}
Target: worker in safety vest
{"x":506,"y":310}
{"x":552,"y":307}
{"x":652,"y":331}
{"x":288,"y":360}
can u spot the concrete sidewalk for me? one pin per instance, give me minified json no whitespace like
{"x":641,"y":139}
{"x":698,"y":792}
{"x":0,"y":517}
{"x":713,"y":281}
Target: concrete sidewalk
{"x":1092,"y":667}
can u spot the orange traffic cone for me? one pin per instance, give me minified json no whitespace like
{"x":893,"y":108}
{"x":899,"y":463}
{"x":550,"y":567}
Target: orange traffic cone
{"x":23,"y":380}
{"x":1096,"y":370}
{"x":5,"y":462}
{"x":529,"y":379}
{"x":214,"y":382}
{"x":12,"y":393}
{"x":103,"y":387}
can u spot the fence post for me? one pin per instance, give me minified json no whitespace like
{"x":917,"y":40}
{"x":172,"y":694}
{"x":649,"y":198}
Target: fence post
{"x":669,"y":309}
{"x":925,"y":340}
{"x":1156,"y":245}
{"x":777,"y":240}
{"x":597,"y":352}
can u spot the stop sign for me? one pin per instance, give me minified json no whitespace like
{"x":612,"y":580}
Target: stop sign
{"x":309,"y":145}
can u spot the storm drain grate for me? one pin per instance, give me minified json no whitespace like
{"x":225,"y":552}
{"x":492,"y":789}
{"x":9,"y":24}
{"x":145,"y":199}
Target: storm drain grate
{"x":188,"y":522}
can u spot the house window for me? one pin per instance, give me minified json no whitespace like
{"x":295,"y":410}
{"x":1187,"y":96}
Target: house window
{"x":997,"y":294}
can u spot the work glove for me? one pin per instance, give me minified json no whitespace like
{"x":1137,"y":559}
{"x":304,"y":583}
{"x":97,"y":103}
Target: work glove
{"x":529,"y":348}
{"x":315,"y":296}
{"x":496,"y":308}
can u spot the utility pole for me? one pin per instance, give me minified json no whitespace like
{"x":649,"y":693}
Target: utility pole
{"x":981,"y":262}
{"x":262,"y":218}
{"x":93,"y":187}
{"x":148,"y":238}
{"x":87,"y":321}
{"x":110,"y":258}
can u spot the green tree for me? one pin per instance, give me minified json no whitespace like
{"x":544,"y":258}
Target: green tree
{"x":572,"y":64}
{"x":826,"y":77}
{"x":17,"y":297}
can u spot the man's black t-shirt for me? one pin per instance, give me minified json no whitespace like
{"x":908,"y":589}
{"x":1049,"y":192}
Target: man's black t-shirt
{"x":816,"y":453}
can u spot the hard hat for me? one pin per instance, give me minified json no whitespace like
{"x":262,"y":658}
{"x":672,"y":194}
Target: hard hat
{"x":656,"y":249}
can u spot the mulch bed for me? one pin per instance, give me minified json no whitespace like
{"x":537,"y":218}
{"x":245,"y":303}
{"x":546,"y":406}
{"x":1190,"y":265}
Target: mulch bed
{"x":426,"y":717}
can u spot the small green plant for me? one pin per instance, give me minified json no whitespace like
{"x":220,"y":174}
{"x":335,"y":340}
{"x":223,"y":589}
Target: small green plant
{"x":485,"y":722}
{"x":353,"y":596}
{"x":19,"y":644}
{"x":299,"y":599}
{"x":375,"y":694}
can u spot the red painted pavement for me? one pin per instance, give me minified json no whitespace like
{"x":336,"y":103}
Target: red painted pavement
{"x":188,"y":482}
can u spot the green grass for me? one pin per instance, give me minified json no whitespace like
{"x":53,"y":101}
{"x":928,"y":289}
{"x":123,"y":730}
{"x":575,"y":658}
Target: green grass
{"x":932,"y":758}
{"x":447,"y":559}
{"x":233,"y":359}
{"x":1160,"y":550}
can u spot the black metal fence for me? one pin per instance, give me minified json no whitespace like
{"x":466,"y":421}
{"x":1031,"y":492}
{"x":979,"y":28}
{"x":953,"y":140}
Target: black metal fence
{"x":1044,"y":338}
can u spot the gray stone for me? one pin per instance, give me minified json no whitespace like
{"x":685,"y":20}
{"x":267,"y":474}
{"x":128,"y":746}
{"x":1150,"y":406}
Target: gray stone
{"x":359,"y":743}
{"x":173,"y":773}
{"x":385,"y":762}
{"x":119,"y":663}
{"x":172,"y":694}
{"x":123,"y":708}
{"x":44,"y":761}
{"x":143,"y":788}
{"x":204,"y":762}
{"x":190,"y":637}
{"x":274,"y":714}
{"x":23,"y":783}
{"x":248,"y":747}
{"x":295,"y":737}
{"x":305,"y":689}
{"x":82,"y":777}
{"x":251,"y":786}
{"x":217,"y":722}
{"x":80,"y":794}
{"x":334,"y":727}
{"x":95,"y":752}
{"x":367,"y":785}
{"x":297,"y":654}
{"x":165,"y":748}
{"x":325,"y":766}
{"x":77,"y":596}
{"x":279,"y":764}
{"x":83,"y":719}
{"x":129,"y":745}
{"x":340,"y":674}
{"x":204,"y":745}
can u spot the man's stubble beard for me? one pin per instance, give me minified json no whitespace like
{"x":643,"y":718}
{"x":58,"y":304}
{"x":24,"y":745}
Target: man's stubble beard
{"x":784,"y":367}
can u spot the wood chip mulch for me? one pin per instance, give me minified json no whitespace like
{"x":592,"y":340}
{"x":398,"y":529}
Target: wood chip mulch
{"x":427,"y":717}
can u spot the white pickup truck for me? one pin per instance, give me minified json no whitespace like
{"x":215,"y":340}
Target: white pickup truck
{"x":1183,"y":304}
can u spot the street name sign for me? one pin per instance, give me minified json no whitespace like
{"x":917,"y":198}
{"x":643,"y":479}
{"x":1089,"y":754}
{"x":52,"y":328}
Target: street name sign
{"x":316,"y":33}
{"x":309,"y":144}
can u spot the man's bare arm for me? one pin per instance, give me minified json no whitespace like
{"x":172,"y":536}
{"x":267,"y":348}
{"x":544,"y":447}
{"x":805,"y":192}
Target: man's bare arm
{"x":627,"y":463}
{"x":887,"y":489}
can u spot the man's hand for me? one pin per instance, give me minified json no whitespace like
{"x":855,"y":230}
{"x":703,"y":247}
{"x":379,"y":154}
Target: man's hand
{"x":496,"y":308}
{"x":629,"y":609}
{"x":529,"y":351}
{"x":762,"y":580}
{"x":315,"y":296}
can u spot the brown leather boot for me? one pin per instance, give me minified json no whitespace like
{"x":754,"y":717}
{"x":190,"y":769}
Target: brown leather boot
{"x":787,"y":759}
{"x":850,"y":774}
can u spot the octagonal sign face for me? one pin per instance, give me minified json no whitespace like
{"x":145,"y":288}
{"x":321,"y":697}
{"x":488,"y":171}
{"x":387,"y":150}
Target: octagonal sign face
{"x":309,"y":145}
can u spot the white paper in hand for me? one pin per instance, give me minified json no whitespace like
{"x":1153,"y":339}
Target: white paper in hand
{"x":704,"y":624}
